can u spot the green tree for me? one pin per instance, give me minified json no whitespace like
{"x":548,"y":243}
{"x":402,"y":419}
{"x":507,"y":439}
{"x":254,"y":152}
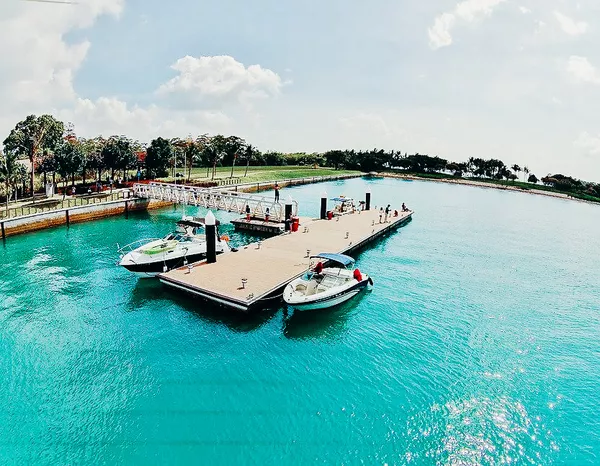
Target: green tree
{"x":158,"y":156}
{"x":248,"y":155}
{"x":31,"y":136}
{"x":47,"y":164}
{"x":516,"y":169}
{"x":215,"y":151}
{"x":9,"y":173}
{"x":69,"y":158}
{"x":21,"y":178}
{"x":532,"y":179}
{"x":95,"y":158}
{"x":187,"y":153}
{"x":92,"y":156}
{"x":335,"y":158}
{"x":118,"y":154}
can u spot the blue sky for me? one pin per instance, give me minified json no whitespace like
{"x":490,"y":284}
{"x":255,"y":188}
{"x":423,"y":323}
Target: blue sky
{"x":518,"y":80}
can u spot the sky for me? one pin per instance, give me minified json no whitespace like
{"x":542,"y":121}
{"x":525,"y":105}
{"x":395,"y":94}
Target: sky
{"x":517,"y":80}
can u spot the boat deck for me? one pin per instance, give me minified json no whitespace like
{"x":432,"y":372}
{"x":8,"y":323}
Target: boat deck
{"x":267,"y":266}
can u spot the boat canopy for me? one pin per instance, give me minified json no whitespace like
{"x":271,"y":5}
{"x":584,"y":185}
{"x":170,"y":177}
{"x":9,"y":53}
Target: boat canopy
{"x":339,"y":258}
{"x":342,"y":199}
{"x":193,"y":222}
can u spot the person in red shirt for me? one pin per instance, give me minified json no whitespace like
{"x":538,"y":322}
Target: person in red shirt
{"x":319,"y":267}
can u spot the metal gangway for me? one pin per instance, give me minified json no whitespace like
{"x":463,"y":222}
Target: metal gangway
{"x":214,"y":198}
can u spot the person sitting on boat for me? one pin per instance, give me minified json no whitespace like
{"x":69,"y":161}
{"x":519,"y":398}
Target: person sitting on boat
{"x":318,"y":270}
{"x":404,"y":208}
{"x":357,"y":275}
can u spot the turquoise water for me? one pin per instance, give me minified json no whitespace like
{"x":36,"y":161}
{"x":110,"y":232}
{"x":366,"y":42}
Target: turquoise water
{"x":479,"y":344}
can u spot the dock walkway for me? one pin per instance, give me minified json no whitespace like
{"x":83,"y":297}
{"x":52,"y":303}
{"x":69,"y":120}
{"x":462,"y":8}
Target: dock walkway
{"x":269,"y":265}
{"x":215,"y":198}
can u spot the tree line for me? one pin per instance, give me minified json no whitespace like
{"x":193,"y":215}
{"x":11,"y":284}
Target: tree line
{"x":52,"y":148}
{"x":474,"y":167}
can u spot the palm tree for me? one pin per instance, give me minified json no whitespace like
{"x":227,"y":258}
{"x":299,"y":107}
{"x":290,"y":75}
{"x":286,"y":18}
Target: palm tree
{"x":21,"y":177}
{"x":233,"y":164}
{"x":9,"y":171}
{"x":515,"y":168}
{"x":249,"y":152}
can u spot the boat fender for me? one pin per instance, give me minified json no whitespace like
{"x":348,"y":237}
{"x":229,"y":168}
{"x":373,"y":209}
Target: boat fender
{"x":225,"y":238}
{"x":370,"y":281}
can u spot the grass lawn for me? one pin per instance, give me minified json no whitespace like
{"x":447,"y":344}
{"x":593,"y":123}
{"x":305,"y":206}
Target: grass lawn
{"x":259,"y":174}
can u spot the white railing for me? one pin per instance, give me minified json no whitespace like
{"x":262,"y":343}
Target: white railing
{"x":215,"y":198}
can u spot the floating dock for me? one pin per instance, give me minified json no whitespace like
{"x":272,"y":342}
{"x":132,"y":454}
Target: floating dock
{"x":250,"y":277}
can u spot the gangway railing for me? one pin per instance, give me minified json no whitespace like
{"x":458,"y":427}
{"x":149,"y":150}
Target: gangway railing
{"x":215,"y":198}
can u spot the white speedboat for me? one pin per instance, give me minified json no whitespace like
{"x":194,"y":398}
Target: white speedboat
{"x":149,"y":257}
{"x":330,"y":286}
{"x":343,"y":205}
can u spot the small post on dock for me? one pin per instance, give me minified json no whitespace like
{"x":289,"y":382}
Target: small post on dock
{"x":211,"y":238}
{"x":3,"y":232}
{"x":67,"y":217}
{"x":126,"y":209}
{"x":288,"y":214}
{"x":323,"y":205}
{"x":368,"y":201}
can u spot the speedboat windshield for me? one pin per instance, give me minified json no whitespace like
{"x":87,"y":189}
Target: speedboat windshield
{"x":339,"y":258}
{"x":174,"y":237}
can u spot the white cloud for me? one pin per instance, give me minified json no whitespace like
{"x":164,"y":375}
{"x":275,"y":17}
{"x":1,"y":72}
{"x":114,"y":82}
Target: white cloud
{"x":38,"y":66}
{"x":570,"y":26}
{"x":467,"y":10}
{"x":524,"y":10}
{"x":589,"y":143}
{"x":108,"y":115}
{"x":582,"y":71}
{"x":439,"y":33}
{"x":221,"y":77}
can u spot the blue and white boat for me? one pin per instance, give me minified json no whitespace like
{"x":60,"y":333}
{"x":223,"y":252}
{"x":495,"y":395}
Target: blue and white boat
{"x":326,"y":287}
{"x":343,"y":205}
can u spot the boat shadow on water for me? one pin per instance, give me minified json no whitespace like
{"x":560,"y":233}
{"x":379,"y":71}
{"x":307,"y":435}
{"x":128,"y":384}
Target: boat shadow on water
{"x":151,"y":290}
{"x":328,"y":323}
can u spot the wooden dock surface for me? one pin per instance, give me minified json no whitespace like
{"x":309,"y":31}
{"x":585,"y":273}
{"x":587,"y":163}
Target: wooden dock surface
{"x":278,"y":260}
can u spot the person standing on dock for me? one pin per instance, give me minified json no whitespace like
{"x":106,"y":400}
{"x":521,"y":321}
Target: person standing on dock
{"x":276,"y":192}
{"x":247,"y":212}
{"x":387,"y":213}
{"x":380,"y":214}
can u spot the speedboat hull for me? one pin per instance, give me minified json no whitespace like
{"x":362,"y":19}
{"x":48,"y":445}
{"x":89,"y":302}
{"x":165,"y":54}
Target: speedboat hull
{"x":159,"y":257}
{"x":184,"y":246}
{"x":326,"y":299}
{"x":152,"y":269}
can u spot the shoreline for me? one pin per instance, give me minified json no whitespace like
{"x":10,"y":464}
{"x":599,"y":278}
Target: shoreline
{"x":483,"y":184}
{"x":43,"y":220}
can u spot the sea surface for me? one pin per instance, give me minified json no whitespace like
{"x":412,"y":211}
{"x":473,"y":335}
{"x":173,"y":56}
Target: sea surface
{"x":479,"y":344}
